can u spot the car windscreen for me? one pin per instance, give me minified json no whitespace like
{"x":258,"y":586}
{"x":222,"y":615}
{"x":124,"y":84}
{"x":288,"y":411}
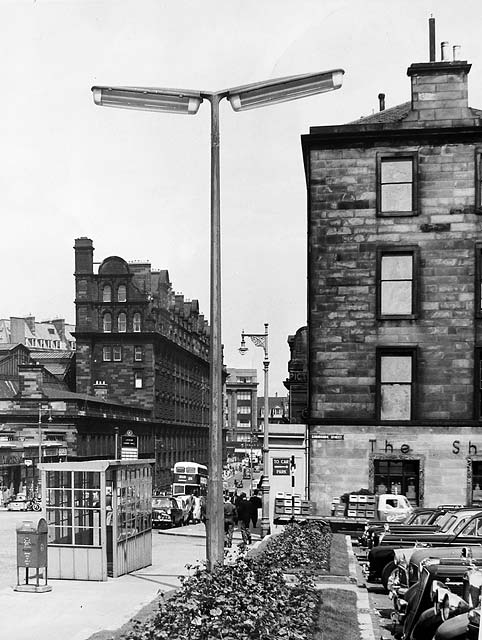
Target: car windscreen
{"x":161,"y":503}
{"x":448,"y":524}
{"x":463,"y":522}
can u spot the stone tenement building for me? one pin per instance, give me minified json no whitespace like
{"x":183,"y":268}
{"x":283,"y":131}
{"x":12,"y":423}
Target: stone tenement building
{"x":394,"y":300}
{"x":139,"y":344}
{"x":297,"y":381}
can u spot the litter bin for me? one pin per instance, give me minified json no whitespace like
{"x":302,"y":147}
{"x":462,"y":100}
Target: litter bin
{"x":32,"y":556}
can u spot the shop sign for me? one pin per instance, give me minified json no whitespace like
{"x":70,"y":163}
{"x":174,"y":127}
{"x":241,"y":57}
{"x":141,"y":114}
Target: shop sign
{"x":129,"y":446}
{"x":281,"y":466}
{"x":328,"y":436}
{"x":298,"y":376}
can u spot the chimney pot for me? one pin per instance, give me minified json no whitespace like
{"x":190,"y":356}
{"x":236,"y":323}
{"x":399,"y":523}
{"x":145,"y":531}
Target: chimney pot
{"x":445,"y":51}
{"x":381,"y":101}
{"x":456,"y":52}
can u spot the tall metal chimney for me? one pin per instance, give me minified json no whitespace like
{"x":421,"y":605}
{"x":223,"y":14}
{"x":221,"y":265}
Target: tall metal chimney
{"x":431,"y":33}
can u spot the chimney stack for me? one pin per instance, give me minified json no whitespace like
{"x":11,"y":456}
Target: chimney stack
{"x":431,"y":32}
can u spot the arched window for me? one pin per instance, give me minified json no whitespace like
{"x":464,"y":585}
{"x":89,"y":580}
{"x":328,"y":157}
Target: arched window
{"x":121,"y":293}
{"x":107,"y":293}
{"x":122,"y":323}
{"x":136,"y":322}
{"x":107,"y":323}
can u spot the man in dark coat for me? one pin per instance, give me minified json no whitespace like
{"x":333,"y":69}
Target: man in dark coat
{"x":244,"y":517}
{"x":230,"y":517}
{"x":255,"y":502}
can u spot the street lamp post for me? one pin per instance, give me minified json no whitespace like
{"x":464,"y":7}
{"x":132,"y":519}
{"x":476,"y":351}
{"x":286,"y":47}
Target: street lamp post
{"x":261,"y":340}
{"x":40,"y":443}
{"x":188,"y":102}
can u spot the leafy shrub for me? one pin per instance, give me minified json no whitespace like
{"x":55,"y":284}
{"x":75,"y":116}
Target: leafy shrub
{"x":306,"y":544}
{"x":242,"y":601}
{"x":249,"y":599}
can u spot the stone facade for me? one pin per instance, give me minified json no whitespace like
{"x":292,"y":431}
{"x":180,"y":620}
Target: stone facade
{"x":241,"y":407}
{"x":297,"y":381}
{"x":142,"y":345}
{"x":368,"y":313}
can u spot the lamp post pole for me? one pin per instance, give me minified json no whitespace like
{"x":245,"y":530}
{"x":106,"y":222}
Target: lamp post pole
{"x":39,"y":436}
{"x":215,"y":513}
{"x":261,"y":340}
{"x":187,"y":101}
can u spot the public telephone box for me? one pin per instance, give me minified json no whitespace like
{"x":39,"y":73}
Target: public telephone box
{"x":99,"y":517}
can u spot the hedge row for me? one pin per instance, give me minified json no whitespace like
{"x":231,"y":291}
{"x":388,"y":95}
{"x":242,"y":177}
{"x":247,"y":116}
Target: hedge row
{"x":249,"y":599}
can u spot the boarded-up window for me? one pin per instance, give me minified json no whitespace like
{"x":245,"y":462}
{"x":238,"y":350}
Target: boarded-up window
{"x":395,"y":383}
{"x":397,"y":184}
{"x":397,"y":275}
{"x":396,"y":284}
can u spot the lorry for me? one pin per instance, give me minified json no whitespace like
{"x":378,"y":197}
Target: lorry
{"x":362,"y":509}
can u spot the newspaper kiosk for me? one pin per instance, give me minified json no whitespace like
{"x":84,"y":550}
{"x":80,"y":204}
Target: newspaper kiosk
{"x":98,"y":514}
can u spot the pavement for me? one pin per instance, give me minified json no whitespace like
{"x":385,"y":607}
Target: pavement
{"x":78,"y":611}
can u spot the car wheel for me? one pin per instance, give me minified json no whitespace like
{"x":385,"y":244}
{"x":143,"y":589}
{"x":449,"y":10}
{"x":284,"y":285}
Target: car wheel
{"x":387,"y":577}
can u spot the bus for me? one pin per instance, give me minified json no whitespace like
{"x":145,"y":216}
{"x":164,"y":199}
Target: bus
{"x":189,"y":478}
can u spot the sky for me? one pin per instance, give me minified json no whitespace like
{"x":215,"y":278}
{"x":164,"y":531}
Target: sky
{"x":138,"y":184}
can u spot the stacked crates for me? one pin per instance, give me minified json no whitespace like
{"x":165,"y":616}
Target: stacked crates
{"x":338,"y":508}
{"x":361,"y":506}
{"x":287,"y":505}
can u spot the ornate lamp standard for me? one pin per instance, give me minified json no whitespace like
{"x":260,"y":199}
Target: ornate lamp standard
{"x":261,"y":340}
{"x":187,"y":101}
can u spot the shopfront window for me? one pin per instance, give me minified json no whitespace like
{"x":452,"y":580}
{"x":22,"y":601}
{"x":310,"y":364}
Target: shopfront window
{"x":398,"y":476}
{"x":477,"y":483}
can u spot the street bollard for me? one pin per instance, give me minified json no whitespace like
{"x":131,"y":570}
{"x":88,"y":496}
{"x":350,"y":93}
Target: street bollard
{"x":32,"y":555}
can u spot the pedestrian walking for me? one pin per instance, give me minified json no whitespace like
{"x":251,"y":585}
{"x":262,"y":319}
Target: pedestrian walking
{"x":244,"y":518}
{"x":255,"y":502}
{"x":230,"y":516}
{"x":196,"y":510}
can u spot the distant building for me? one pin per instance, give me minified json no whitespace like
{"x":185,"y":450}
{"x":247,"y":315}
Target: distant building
{"x":241,"y":409}
{"x":141,"y":345}
{"x":297,"y":381}
{"x":49,"y":334}
{"x":278,"y":410}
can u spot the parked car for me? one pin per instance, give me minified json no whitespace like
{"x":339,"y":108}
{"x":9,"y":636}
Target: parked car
{"x":419,"y":517}
{"x":457,"y":625}
{"x":462,"y":527}
{"x":166,"y":512}
{"x":442,"y":583}
{"x":409,"y":562}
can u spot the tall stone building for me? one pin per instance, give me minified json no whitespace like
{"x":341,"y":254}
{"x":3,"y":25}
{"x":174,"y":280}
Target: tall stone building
{"x":140,"y":344}
{"x":241,"y":408}
{"x":394,"y":300}
{"x":297,"y":381}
